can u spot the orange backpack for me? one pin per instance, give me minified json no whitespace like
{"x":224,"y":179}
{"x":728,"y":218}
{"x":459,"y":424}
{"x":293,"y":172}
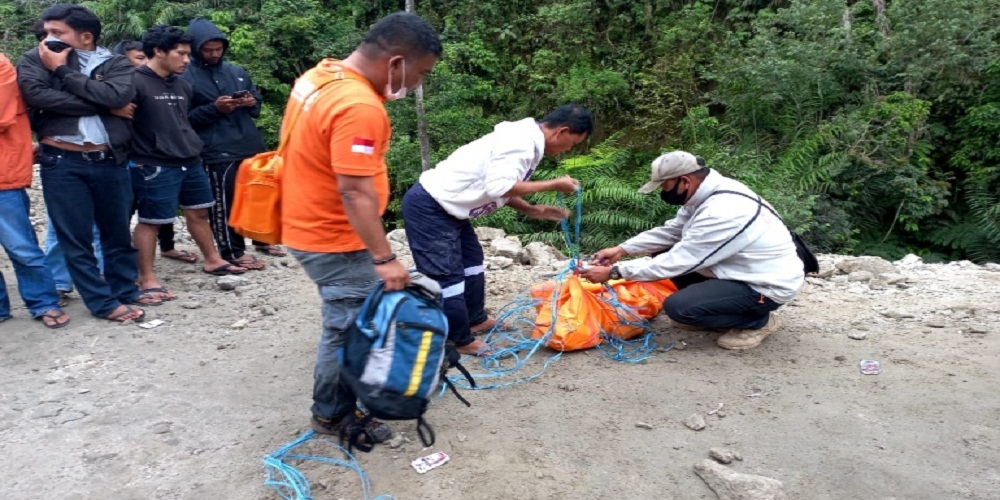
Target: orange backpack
{"x":256,"y":210}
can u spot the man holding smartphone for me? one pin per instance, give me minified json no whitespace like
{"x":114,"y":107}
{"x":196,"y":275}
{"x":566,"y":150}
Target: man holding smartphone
{"x":222,"y":111}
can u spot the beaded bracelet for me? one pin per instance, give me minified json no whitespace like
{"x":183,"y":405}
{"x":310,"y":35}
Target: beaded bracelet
{"x":379,"y":262}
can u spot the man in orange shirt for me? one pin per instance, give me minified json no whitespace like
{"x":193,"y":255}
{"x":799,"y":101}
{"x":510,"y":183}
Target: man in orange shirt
{"x":17,"y":236}
{"x":335,"y":187}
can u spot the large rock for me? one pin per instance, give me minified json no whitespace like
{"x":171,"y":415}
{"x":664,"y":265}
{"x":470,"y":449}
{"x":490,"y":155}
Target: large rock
{"x":910,"y":261}
{"x":231,"y":282}
{"x":731,"y":485}
{"x":874,"y":265}
{"x":397,"y":235}
{"x":538,"y":253}
{"x":505,"y":247}
{"x":489,"y":233}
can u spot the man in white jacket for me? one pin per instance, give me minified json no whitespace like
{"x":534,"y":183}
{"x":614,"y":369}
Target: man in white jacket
{"x":728,"y":252}
{"x":476,"y":180}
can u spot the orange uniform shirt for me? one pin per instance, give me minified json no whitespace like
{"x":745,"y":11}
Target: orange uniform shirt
{"x":15,"y":132}
{"x":342,"y":129}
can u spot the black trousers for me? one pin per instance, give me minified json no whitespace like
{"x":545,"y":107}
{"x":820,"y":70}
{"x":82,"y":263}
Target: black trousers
{"x":717,"y":304}
{"x":222,"y":176}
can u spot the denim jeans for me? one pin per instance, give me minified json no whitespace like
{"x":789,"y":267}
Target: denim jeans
{"x":717,"y":304}
{"x":55,"y":258}
{"x":447,"y":250}
{"x":17,"y":236}
{"x":344,"y":281}
{"x":80,"y":193}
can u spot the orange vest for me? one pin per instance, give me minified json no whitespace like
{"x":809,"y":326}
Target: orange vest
{"x":15,"y":131}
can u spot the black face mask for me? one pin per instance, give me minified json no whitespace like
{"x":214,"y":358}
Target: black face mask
{"x":673,"y":196}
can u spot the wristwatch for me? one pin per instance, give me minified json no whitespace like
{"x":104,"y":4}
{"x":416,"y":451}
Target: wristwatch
{"x":615,"y":273}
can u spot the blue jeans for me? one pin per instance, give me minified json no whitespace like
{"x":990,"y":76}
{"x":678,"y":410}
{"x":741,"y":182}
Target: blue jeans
{"x":18,"y":239}
{"x":55,"y":258}
{"x":79,"y":193}
{"x":447,"y":250}
{"x":344,"y":281}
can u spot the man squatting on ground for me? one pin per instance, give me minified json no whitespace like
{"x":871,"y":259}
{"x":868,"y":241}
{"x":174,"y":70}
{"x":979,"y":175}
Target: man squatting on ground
{"x":476,"y":180}
{"x":335,"y":187}
{"x":731,"y":256}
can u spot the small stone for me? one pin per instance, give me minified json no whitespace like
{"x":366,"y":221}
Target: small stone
{"x":695,"y":422}
{"x":644,"y":425}
{"x":897,"y":314}
{"x":840,"y":358}
{"x":721,"y":455}
{"x":231,"y":282}
{"x":892,"y":278}
{"x":396,"y":441}
{"x":737,"y":456}
{"x":540,"y":475}
{"x":720,"y":414}
{"x":935,"y":323}
{"x":46,"y":410}
{"x":83,"y":391}
{"x":493,"y":431}
{"x":240,"y":324}
{"x":160,"y":428}
{"x":857,"y":335}
{"x":462,"y":438}
{"x":860,"y":276}
{"x":267,"y":311}
{"x":976,"y":329}
{"x":190,"y":305}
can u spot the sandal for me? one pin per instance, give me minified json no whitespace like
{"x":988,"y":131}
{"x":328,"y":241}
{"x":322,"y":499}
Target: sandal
{"x":181,"y":255}
{"x":225,"y":270}
{"x":53,"y":315}
{"x":479,"y":352}
{"x":253,"y":264}
{"x":120,"y":317}
{"x":489,"y":324}
{"x":271,"y":250}
{"x":64,"y":297}
{"x":165,"y":295}
{"x":146,"y":299}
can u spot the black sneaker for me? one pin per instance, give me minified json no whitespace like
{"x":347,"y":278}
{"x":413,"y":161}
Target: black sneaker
{"x":376,"y":430}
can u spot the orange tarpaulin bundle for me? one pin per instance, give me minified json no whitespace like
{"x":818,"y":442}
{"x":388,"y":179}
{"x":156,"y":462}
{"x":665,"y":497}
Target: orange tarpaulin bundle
{"x":584,"y":310}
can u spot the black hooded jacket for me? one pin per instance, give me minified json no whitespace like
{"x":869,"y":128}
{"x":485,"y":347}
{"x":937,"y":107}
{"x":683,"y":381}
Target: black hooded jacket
{"x":226,"y":137}
{"x":162,"y":133}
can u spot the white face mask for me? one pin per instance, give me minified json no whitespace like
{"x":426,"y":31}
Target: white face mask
{"x":399,"y":94}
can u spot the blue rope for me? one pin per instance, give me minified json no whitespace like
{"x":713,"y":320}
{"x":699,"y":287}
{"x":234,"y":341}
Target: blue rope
{"x":513,"y":349}
{"x":292,"y":484}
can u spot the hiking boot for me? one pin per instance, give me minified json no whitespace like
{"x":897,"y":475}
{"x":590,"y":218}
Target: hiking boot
{"x":376,"y":430}
{"x":739,"y":340}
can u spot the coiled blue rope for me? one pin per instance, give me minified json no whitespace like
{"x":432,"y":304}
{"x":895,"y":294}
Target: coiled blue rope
{"x":292,"y":484}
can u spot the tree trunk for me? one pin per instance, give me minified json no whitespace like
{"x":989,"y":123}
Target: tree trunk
{"x":418,"y":96}
{"x":880,"y":17}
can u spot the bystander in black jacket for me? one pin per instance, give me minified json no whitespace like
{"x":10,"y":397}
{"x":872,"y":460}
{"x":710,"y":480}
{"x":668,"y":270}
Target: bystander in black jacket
{"x":226,"y":137}
{"x":163,"y":134}
{"x":57,"y":99}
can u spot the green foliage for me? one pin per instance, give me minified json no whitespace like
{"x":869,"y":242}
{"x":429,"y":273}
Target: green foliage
{"x":869,"y":128}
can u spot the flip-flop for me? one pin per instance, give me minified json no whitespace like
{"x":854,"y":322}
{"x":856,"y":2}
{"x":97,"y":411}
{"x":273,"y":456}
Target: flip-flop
{"x":128,"y":309}
{"x":64,"y":297}
{"x":271,"y":250}
{"x":253,"y":262}
{"x":185,"y":256}
{"x":54,"y":315}
{"x":491,"y":324}
{"x":159,"y":289}
{"x":223,"y":270}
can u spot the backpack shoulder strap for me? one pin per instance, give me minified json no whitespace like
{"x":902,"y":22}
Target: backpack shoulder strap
{"x":758,"y":200}
{"x":731,"y":238}
{"x":286,"y":132}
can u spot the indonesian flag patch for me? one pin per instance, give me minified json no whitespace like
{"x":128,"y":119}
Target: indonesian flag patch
{"x":363,"y":146}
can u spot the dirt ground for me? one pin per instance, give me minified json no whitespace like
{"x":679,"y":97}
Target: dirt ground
{"x":188,"y":410}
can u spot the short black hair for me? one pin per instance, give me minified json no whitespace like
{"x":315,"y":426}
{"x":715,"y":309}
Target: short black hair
{"x":165,"y":38}
{"x":573,"y":116}
{"x":77,"y":17}
{"x":702,"y":172}
{"x":38,"y":29}
{"x":130,"y":45}
{"x":401,"y":33}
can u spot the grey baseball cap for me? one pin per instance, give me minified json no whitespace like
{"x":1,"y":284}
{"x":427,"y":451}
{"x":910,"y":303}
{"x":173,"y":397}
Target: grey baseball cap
{"x":668,"y":166}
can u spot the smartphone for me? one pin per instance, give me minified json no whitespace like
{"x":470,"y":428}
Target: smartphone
{"x":56,"y":45}
{"x":240,"y":94}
